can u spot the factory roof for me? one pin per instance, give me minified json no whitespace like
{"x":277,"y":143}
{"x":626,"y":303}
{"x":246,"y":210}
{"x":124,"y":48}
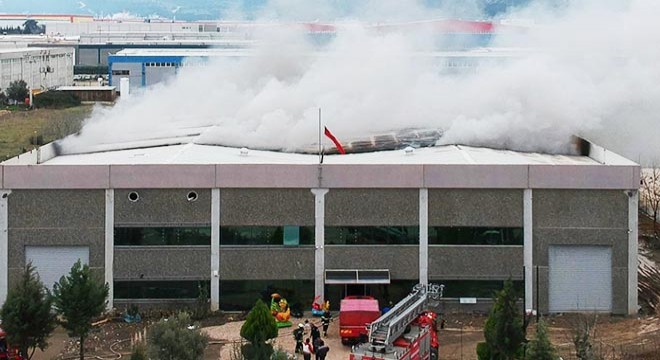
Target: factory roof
{"x":438,"y":155}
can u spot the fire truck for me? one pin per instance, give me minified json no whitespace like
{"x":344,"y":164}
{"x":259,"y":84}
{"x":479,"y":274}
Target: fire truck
{"x":407,"y":332}
{"x":6,"y":351}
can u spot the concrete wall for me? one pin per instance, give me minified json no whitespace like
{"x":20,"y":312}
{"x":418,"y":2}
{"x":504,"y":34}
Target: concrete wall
{"x":248,"y":263}
{"x":55,"y":218}
{"x":372,"y":207}
{"x":163,"y":207}
{"x":479,"y":207}
{"x":583,"y":217}
{"x":266,"y":207}
{"x":475,"y":262}
{"x":401,"y":260}
{"x":162,"y":263}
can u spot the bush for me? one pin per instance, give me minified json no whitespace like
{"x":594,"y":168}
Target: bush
{"x":139,"y":353}
{"x":176,"y":338}
{"x":260,"y":325}
{"x":482,"y":351}
{"x":56,"y":100}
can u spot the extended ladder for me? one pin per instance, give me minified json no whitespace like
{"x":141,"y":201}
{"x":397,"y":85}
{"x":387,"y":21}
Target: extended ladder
{"x":393,"y":323}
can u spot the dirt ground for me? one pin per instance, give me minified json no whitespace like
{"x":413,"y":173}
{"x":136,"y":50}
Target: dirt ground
{"x":616,"y":337}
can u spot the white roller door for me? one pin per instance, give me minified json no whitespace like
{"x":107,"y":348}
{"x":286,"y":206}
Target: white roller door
{"x":53,"y":262}
{"x":580,"y":278}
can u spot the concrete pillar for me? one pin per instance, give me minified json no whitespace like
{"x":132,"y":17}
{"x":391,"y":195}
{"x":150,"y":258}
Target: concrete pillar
{"x":4,"y":246}
{"x":215,"y":249}
{"x":424,"y":236}
{"x":319,"y":236}
{"x":633,"y":203}
{"x":528,"y":249}
{"x":110,"y":244}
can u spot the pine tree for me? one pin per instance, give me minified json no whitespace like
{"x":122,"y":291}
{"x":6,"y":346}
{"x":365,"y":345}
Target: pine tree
{"x":258,"y":328}
{"x":18,"y":91}
{"x":78,"y":298}
{"x":504,"y":328}
{"x":541,"y":348}
{"x":26,"y":314}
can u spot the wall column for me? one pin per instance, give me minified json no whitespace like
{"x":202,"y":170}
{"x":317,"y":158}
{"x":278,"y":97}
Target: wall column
{"x":4,"y":246}
{"x":528,"y":249}
{"x":319,"y":236}
{"x":633,"y":203}
{"x":424,"y":236}
{"x":215,"y":249}
{"x":110,"y":245}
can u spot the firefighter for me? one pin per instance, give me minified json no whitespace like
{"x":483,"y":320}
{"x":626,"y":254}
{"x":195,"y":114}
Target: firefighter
{"x":298,"y":335}
{"x":325,"y":320}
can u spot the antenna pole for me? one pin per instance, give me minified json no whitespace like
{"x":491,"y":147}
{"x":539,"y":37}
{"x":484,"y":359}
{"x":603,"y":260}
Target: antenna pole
{"x":320,"y":146}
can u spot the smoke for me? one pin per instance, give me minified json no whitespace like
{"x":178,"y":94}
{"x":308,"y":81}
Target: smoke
{"x":590,"y":69}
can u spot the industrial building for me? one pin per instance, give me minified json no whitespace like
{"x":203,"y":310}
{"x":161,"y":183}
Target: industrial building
{"x":158,"y":223}
{"x":40,"y":68}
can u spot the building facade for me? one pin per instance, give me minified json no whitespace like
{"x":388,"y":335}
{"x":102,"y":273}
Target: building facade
{"x":158,"y":224}
{"x":40,"y":68}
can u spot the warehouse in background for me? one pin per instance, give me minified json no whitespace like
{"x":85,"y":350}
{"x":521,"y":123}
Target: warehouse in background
{"x":40,"y":68}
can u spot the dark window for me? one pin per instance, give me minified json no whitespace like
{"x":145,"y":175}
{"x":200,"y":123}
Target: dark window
{"x":371,"y":235}
{"x":476,"y":288}
{"x":162,"y":236}
{"x":159,"y":289}
{"x":267,"y":235}
{"x":120,"y":72}
{"x":242,"y":294}
{"x":475,"y":236}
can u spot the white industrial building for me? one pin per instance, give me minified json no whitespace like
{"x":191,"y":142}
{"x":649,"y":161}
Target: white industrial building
{"x":40,"y":68}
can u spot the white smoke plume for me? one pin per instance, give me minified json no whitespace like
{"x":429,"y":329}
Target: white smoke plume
{"x":591,"y":69}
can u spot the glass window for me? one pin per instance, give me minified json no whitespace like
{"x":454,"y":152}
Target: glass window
{"x":267,"y":235}
{"x":371,"y":235}
{"x":242,"y":294}
{"x":475,"y":236}
{"x":159,"y":289}
{"x":476,"y":288}
{"x":162,"y":236}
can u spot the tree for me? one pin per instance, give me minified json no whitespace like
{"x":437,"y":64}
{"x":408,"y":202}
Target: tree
{"x":259,"y":327}
{"x":26,"y":314}
{"x":504,"y":327}
{"x":17,"y":91}
{"x":541,"y":348}
{"x":78,"y":298}
{"x":176,"y":338}
{"x":649,"y":199}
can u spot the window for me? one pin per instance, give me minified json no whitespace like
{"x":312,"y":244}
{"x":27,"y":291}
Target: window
{"x":371,"y":235}
{"x":159,"y":289}
{"x":475,"y":236}
{"x":267,"y":235}
{"x":162,"y":236}
{"x":242,"y":294}
{"x":120,"y":72}
{"x":476,"y":288}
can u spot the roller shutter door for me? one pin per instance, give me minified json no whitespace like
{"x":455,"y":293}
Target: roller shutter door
{"x":580,"y":278}
{"x":53,"y":262}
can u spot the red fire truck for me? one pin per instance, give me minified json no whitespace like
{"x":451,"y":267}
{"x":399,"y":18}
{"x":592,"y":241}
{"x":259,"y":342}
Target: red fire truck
{"x":407,"y":332}
{"x":6,"y":351}
{"x":355,"y":314}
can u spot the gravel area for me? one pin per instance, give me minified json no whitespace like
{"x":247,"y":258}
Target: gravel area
{"x":230,"y":332}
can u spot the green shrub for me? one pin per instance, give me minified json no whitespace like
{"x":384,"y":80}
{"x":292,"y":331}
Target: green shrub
{"x":176,"y":338}
{"x":139,"y":353}
{"x":56,"y":100}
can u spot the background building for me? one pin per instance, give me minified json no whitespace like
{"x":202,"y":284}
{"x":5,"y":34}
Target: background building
{"x":156,"y":223}
{"x":40,"y":68}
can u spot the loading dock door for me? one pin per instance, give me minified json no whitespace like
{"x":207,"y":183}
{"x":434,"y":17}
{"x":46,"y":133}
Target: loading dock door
{"x":53,"y":262}
{"x":580,"y":278}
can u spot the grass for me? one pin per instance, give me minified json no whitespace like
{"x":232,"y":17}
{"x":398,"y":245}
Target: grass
{"x":22,"y":130}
